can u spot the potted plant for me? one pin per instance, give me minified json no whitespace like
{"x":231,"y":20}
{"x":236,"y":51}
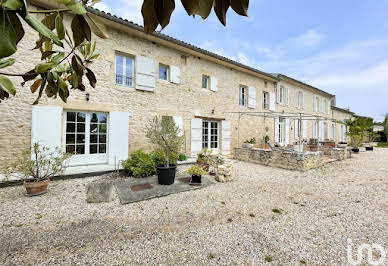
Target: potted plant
{"x":165,"y":135}
{"x":266,"y":142}
{"x":139,"y":164}
{"x":371,"y":137}
{"x":313,"y":144}
{"x":249,"y":143}
{"x":203,"y":159}
{"x":196,"y":173}
{"x":329,"y":143}
{"x":357,"y":131}
{"x":38,"y":165}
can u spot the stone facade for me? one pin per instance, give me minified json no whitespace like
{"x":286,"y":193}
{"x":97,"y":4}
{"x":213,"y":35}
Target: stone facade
{"x":281,"y":158}
{"x":222,"y":167}
{"x":186,"y":100}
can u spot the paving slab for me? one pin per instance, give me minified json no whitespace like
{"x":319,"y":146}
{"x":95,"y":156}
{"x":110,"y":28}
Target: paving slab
{"x":139,"y":189}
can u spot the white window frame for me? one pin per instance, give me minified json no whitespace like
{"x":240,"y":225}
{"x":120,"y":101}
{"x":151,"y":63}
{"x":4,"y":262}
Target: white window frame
{"x":168,"y":72}
{"x":124,"y":70}
{"x":265,"y":100}
{"x":281,"y":130}
{"x":243,"y":91}
{"x":207,"y":82}
{"x":209,"y":135}
{"x":280,"y":95}
{"x":298,"y":129}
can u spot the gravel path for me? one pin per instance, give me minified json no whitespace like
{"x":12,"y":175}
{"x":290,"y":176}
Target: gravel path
{"x":265,"y":214}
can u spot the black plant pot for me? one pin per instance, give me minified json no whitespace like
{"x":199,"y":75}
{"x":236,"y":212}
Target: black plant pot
{"x":197,"y":179}
{"x":369,"y":148}
{"x":166,"y":175}
{"x":356,"y":150}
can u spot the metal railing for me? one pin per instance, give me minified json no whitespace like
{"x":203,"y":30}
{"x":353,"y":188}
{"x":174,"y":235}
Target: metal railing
{"x":124,"y":80}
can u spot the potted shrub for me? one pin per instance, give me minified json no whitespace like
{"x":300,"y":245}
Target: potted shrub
{"x":203,"y":159}
{"x":313,"y":144}
{"x":165,"y":135}
{"x":249,"y":143}
{"x":371,"y":138}
{"x":329,"y":143}
{"x":38,"y":165}
{"x":357,"y":131}
{"x":139,"y":164}
{"x":196,"y":173}
{"x":159,"y":157}
{"x":266,"y":142}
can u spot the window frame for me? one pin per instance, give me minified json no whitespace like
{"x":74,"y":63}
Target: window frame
{"x":167,"y":72}
{"x":243,"y":91}
{"x":125,"y":70}
{"x":280,"y":95}
{"x":207,"y":81}
{"x":265,"y":100}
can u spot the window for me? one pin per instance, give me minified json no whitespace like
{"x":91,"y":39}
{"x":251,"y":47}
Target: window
{"x":280,"y":94}
{"x":205,"y":82}
{"x":210,"y":135}
{"x":265,"y":100}
{"x":86,"y":133}
{"x":243,"y":96}
{"x":124,"y":70}
{"x":163,"y":72}
{"x":325,"y":106}
{"x":299,"y":100}
{"x":298,"y":128}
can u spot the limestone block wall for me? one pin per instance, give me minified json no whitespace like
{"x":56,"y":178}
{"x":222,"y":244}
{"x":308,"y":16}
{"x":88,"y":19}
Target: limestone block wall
{"x":281,"y":158}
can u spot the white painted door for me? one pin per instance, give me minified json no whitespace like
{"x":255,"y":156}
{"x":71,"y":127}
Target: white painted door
{"x":86,"y":137}
{"x":210,"y":136}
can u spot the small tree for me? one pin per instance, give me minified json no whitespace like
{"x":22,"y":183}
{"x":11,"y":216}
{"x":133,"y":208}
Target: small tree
{"x":358,"y":129}
{"x":165,"y":135}
{"x":385,"y":124}
{"x":39,"y":163}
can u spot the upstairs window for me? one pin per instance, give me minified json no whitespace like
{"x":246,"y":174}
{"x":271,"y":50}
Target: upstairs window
{"x":299,"y":100}
{"x":163,"y":72}
{"x":205,"y":82}
{"x":243,"y":96}
{"x":124,"y":70}
{"x":265,"y":100}
{"x":280,"y":93}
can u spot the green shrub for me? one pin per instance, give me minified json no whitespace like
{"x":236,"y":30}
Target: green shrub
{"x":139,"y":164}
{"x":159,"y":157}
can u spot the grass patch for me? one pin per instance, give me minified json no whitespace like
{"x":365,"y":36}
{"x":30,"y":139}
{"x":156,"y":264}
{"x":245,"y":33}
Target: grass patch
{"x":222,"y":202}
{"x":211,"y":256}
{"x":268,"y":258}
{"x":382,"y":144}
{"x":230,"y":220}
{"x":278,"y":211}
{"x":252,"y":215}
{"x":303,"y":262}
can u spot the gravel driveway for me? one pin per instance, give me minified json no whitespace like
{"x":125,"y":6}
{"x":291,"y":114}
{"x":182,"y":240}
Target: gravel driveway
{"x":265,"y":214}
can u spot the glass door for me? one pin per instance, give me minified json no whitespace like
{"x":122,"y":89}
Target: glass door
{"x":86,"y":137}
{"x":210,"y":136}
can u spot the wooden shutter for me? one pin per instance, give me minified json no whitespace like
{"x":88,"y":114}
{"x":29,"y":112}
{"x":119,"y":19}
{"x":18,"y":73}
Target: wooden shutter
{"x":213,"y":84}
{"x":277,"y":136}
{"x":145,"y":73}
{"x":179,"y":123}
{"x":226,"y":137}
{"x":46,"y":126}
{"x":287,"y":132}
{"x":196,"y":136}
{"x":175,"y":75}
{"x":252,"y":97}
{"x":118,"y":136}
{"x":272,"y":101}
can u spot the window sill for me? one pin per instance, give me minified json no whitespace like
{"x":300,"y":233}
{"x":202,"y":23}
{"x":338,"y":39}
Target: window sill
{"x":124,"y":88}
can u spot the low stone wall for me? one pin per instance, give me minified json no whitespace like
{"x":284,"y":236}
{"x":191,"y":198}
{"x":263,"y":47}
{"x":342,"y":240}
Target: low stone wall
{"x":280,"y":158}
{"x":336,"y":153}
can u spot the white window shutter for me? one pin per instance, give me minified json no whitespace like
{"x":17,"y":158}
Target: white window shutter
{"x":179,"y":123}
{"x":175,"y":75}
{"x":272,"y":101}
{"x":315,"y":103}
{"x":297,"y":104}
{"x":118,"y":136}
{"x":226,"y":137}
{"x":314,"y":129}
{"x":296,"y":131}
{"x":303,"y":100}
{"x":329,"y":107}
{"x":252,"y":97}
{"x":278,"y":93}
{"x":277,"y":136}
{"x":320,"y":104}
{"x":46,"y":126}
{"x":287,"y":132}
{"x":145,"y":73}
{"x":287,"y":96}
{"x":196,"y":136}
{"x":321,"y":131}
{"x":213,"y":84}
{"x":304,"y":129}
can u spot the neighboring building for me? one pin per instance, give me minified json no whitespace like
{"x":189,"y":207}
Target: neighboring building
{"x":377,"y":128}
{"x":218,"y":103}
{"x":341,"y":116}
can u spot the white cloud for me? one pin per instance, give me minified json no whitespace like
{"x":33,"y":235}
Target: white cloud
{"x":309,"y":38}
{"x":102,"y":6}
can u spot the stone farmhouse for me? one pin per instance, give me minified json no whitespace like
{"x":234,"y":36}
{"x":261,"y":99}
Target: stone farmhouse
{"x":218,"y":103}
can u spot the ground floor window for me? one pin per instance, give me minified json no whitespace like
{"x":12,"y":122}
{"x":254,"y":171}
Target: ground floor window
{"x":210,"y":135}
{"x":86,"y":133}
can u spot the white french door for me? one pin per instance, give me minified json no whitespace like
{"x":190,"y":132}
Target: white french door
{"x":210,"y":136}
{"x":86,"y":136}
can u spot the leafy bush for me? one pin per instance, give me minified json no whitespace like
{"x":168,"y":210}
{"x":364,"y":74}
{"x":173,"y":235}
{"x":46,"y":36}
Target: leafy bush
{"x":182,"y":157}
{"x":196,"y":170}
{"x":250,"y":141}
{"x":204,"y":155}
{"x":139,"y":164}
{"x":159,"y":157}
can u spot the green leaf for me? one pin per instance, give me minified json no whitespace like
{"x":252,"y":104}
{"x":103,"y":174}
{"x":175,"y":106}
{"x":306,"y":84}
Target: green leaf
{"x":91,"y":77}
{"x":8,"y":35}
{"x":6,"y":62}
{"x":30,"y":75}
{"x":60,"y":27}
{"x":164,"y":9}
{"x":17,"y":25}
{"x":81,"y":30}
{"x":42,"y":29}
{"x":221,"y":7}
{"x":12,"y":4}
{"x":34,"y":87}
{"x":149,"y":16}
{"x":7,"y":85}
{"x":63,"y":90}
{"x":47,"y":54}
{"x":44,"y":67}
{"x":240,"y":7}
{"x":94,"y":56}
{"x":77,"y":7}
{"x":65,"y":2}
{"x":98,"y":29}
{"x":58,"y":57}
{"x":199,"y":7}
{"x":191,"y":6}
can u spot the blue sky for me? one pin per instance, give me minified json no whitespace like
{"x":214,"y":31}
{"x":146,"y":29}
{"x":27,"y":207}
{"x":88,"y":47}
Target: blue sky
{"x":338,"y":46}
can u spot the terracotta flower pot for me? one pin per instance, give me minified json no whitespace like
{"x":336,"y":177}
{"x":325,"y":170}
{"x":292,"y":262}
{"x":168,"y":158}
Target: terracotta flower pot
{"x":313,"y":148}
{"x":36,"y":188}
